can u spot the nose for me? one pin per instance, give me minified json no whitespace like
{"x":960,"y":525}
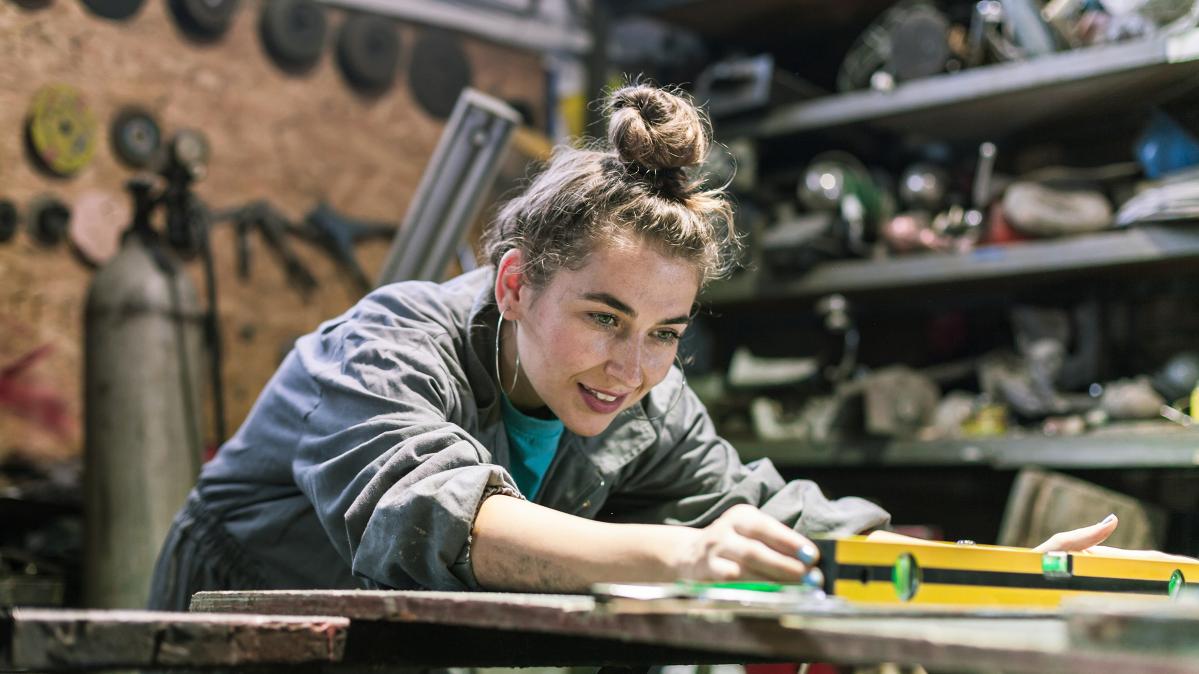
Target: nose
{"x":625,"y":362}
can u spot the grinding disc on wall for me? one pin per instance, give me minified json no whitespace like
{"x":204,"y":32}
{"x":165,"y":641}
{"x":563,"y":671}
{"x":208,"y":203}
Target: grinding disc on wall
{"x":368,"y":49}
{"x":293,"y":32}
{"x":439,"y":72}
{"x":117,"y":10}
{"x":204,"y":19}
{"x":97,"y":223}
{"x":136,"y":137}
{"x":48,"y":220}
{"x":8,"y":220}
{"x":61,"y":130}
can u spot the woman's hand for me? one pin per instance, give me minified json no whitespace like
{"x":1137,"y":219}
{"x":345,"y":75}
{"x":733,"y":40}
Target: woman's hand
{"x":1080,"y":540}
{"x":745,"y":543}
{"x":1088,"y":539}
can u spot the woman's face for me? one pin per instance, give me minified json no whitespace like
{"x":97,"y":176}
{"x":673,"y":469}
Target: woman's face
{"x":594,"y":341}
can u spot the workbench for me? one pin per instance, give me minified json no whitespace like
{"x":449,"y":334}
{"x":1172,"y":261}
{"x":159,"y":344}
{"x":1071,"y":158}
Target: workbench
{"x":343,"y":630}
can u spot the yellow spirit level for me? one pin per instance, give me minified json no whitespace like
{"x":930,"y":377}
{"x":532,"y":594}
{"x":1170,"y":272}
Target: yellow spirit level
{"x":936,"y":573}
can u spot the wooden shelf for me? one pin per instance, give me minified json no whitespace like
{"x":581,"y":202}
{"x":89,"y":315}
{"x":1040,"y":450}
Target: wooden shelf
{"x":1104,"y":251}
{"x":991,"y":101}
{"x":1163,"y":449}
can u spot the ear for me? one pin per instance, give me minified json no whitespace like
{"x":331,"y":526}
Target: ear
{"x":511,"y":291}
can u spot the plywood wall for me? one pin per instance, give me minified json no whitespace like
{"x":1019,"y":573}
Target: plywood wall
{"x":293,"y":140}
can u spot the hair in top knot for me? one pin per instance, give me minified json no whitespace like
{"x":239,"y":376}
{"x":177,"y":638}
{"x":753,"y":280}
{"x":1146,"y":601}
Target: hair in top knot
{"x":656,"y":129}
{"x":637,"y":190}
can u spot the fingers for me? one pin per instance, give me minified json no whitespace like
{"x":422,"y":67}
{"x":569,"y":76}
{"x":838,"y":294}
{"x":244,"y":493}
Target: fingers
{"x":764,"y":548}
{"x":1080,"y":539}
{"x":1153,"y":555}
{"x":753,"y":523}
{"x":760,"y":561}
{"x":725,"y":569}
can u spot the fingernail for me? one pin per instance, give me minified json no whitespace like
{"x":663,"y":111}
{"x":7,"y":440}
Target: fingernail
{"x":814,"y":578}
{"x":1109,"y":518}
{"x":807,"y":554}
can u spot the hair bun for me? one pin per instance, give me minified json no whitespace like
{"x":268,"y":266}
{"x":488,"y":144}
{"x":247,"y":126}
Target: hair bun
{"x":655,"y":128}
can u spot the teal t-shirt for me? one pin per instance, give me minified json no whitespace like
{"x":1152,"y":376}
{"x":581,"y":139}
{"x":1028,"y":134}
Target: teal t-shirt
{"x":532,"y":442}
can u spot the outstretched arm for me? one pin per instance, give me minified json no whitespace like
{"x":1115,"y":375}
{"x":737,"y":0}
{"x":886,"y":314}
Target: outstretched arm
{"x":519,"y":545}
{"x":1085,"y":539}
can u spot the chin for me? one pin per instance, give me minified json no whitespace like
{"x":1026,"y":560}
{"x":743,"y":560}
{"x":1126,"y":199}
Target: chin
{"x":588,"y":427}
{"x":586,"y":423}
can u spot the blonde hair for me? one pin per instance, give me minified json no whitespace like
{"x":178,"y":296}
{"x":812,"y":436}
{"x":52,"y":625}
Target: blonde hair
{"x":636,"y":187}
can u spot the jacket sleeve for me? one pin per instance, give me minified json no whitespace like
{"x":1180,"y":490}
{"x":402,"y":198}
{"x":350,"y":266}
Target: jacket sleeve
{"x":693,"y":475}
{"x":395,"y":484}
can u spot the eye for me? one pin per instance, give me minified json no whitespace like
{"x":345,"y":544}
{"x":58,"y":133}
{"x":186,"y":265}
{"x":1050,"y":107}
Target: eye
{"x":666,"y":336}
{"x":605,"y":320}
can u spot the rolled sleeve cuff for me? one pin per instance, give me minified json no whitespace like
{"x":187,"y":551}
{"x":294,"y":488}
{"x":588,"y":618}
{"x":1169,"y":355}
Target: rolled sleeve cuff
{"x":463,"y":567}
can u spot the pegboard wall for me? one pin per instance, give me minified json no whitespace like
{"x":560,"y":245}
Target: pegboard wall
{"x":293,"y":140}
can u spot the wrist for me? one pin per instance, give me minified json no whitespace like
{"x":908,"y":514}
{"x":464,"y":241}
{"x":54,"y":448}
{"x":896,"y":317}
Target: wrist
{"x":676,"y":550}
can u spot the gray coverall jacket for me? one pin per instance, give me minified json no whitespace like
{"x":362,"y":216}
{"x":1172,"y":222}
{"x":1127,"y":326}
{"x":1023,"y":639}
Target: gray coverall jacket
{"x":365,"y":459}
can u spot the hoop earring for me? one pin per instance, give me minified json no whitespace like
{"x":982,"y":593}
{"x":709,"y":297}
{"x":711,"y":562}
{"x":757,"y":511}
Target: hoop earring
{"x":677,"y":396}
{"x":499,"y":325}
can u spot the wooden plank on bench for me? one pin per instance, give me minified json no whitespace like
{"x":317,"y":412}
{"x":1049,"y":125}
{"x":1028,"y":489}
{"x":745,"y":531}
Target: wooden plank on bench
{"x":390,"y":626}
{"x":52,"y":639}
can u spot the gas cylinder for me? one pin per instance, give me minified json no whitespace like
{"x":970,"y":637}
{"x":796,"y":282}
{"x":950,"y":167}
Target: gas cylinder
{"x":143,"y":387}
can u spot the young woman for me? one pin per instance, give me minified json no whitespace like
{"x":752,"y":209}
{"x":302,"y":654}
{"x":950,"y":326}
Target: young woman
{"x":520,"y":427}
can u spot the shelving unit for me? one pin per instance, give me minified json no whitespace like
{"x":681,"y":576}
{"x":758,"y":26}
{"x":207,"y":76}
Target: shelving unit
{"x":1141,"y":246}
{"x":1078,"y":96}
{"x":993,"y":100}
{"x":1162,"y":449}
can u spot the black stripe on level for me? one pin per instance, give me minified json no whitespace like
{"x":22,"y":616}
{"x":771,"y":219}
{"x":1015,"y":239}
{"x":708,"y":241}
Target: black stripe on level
{"x":1032,"y":581}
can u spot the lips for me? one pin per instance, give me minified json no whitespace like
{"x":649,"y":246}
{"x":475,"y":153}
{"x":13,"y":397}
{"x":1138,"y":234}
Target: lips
{"x":599,"y":401}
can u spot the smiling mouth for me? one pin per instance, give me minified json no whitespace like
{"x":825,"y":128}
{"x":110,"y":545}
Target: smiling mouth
{"x":602,"y":396}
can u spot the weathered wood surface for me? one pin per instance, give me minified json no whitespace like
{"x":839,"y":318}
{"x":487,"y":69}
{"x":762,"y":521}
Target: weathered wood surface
{"x":1142,"y":626}
{"x":962,"y":641}
{"x":49,"y":639}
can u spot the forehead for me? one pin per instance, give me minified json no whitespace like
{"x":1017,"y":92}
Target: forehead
{"x":654,"y":285}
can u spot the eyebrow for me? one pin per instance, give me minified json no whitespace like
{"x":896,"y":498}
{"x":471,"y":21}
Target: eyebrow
{"x":612,"y":301}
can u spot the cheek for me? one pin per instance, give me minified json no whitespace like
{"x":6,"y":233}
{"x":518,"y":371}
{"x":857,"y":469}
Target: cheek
{"x":658,"y":360}
{"x":565,"y":349}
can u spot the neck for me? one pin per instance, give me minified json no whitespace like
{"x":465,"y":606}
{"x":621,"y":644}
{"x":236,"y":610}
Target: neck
{"x":522,"y":395}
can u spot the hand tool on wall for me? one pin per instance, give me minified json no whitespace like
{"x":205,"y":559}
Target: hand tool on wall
{"x":293,"y":32}
{"x":61,"y":130}
{"x":337,"y":234}
{"x":368,"y":50}
{"x":274,"y":227}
